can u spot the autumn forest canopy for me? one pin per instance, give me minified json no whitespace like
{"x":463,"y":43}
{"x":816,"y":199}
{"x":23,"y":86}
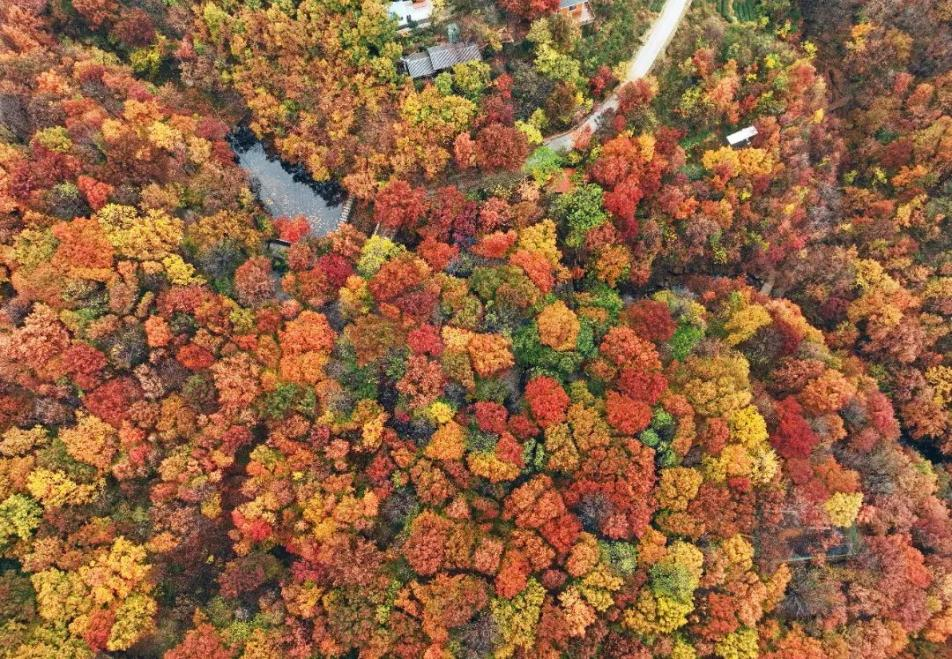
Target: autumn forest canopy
{"x":650,"y":395}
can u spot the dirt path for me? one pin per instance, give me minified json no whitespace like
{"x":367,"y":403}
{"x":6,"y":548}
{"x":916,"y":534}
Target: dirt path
{"x":657,"y":39}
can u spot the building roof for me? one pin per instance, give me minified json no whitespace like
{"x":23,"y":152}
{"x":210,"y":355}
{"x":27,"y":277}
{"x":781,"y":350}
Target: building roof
{"x":579,"y":10}
{"x":447,"y":55}
{"x":408,"y":10}
{"x":418,"y":65}
{"x":742,"y":135}
{"x":439,"y":58}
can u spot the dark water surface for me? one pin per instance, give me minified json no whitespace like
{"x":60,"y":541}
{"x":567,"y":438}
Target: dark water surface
{"x":286,"y":190}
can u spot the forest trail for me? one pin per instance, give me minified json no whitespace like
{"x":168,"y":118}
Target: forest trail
{"x":658,"y":37}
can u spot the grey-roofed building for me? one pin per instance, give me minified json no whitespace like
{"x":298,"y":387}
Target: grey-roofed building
{"x":439,"y":58}
{"x":578,"y":10}
{"x":417,"y":65}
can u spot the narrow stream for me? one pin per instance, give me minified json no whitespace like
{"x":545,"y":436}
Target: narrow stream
{"x":286,"y":190}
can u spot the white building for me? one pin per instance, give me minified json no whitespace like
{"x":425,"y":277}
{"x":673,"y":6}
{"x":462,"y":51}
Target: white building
{"x":742,"y":136}
{"x":411,"y":13}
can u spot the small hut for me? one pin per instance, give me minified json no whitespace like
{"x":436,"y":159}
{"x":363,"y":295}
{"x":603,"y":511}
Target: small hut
{"x":742,"y":137}
{"x":579,"y":11}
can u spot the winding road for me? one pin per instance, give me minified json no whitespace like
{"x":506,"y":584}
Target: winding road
{"x":657,"y":39}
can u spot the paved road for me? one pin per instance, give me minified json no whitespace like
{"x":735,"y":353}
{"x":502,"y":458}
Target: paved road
{"x":659,"y":35}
